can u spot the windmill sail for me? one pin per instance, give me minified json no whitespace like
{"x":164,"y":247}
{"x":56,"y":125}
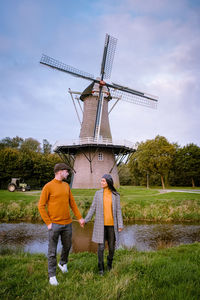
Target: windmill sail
{"x":106,"y":68}
{"x":108,"y":56}
{"x":55,"y":64}
{"x":133,"y":96}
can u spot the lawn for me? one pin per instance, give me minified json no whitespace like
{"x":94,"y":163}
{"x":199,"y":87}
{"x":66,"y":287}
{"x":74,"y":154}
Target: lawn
{"x":169,"y":274}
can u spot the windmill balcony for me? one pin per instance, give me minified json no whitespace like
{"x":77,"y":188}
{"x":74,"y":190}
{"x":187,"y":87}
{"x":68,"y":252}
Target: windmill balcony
{"x":93,"y":141}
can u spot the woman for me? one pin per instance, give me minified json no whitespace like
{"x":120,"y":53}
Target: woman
{"x":108,"y":220}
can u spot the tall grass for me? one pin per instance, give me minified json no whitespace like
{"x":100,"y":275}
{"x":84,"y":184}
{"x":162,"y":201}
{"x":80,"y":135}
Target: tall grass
{"x":137,"y":204}
{"x":170,"y":274}
{"x":19,"y":206}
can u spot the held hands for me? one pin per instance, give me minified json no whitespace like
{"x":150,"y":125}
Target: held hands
{"x":81,"y":222}
{"x":49,"y":226}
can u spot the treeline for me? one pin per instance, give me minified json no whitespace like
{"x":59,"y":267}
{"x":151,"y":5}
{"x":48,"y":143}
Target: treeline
{"x":28,"y":160}
{"x":158,"y":162}
{"x":155,"y":162}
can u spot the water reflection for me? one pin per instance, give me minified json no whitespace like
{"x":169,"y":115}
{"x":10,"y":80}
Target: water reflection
{"x":143,"y":237}
{"x":146,"y":237}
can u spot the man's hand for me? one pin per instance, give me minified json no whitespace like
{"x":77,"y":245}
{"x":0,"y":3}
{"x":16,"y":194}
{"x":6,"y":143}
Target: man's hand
{"x":49,"y":226}
{"x":120,"y":229}
{"x":81,"y":222}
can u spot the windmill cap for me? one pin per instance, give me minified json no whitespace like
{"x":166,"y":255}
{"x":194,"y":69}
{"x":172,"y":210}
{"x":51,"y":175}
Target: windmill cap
{"x":61,"y":166}
{"x":89,"y":91}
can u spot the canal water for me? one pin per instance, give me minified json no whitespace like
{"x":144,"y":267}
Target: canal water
{"x":142,"y":236}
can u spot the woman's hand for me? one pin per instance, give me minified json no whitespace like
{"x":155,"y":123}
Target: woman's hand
{"x":81,"y":222}
{"x":49,"y":226}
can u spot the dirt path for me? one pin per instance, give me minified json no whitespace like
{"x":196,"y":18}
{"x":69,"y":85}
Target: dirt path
{"x":179,"y":191}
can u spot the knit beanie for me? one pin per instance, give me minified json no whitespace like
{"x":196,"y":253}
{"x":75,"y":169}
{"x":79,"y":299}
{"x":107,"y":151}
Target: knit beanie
{"x":108,"y":178}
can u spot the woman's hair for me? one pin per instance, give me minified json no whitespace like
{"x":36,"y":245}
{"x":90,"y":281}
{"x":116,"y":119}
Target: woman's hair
{"x":109,"y":181}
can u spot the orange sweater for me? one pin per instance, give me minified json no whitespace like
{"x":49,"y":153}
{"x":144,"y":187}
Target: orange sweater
{"x":58,"y":198}
{"x":107,"y":207}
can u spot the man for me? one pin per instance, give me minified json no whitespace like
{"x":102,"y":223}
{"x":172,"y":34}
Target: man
{"x":57,"y":197}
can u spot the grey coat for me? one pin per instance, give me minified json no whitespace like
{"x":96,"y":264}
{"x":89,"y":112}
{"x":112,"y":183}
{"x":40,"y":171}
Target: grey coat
{"x":97,"y":208}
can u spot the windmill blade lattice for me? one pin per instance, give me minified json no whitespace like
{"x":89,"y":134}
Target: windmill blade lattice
{"x":55,"y":64}
{"x":106,"y":67}
{"x":139,"y":99}
{"x":108,"y":56}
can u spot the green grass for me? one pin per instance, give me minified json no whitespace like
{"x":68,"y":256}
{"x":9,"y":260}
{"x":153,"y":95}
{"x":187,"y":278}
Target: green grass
{"x":19,"y":206}
{"x":150,"y":205}
{"x":137,"y":203}
{"x":169,"y":274}
{"x":25,"y":198}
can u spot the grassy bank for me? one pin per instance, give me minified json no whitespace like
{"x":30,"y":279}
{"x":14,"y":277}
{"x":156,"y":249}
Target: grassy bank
{"x":137,"y":204}
{"x":171,"y":274}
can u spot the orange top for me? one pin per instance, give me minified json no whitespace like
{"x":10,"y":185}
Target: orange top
{"x":107,"y":207}
{"x":58,"y":198}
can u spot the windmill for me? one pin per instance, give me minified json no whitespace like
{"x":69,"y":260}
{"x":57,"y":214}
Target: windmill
{"x":95,"y":153}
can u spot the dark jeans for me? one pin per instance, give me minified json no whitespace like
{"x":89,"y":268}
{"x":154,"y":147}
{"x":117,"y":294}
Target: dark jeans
{"x":65,"y":232}
{"x":109,"y":235}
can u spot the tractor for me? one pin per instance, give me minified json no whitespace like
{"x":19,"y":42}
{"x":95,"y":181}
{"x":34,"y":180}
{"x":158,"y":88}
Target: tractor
{"x":18,"y":184}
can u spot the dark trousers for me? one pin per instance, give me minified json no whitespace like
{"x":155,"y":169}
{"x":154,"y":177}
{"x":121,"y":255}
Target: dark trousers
{"x":65,"y":232}
{"x":109,"y":235}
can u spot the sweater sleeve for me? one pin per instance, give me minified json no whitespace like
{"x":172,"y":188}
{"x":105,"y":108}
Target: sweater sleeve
{"x":42,"y":206}
{"x":74,"y":206}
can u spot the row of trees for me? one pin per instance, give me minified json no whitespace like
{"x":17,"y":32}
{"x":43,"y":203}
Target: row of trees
{"x":158,"y":162}
{"x":155,"y":162}
{"x":28,"y":144}
{"x":26,"y":159}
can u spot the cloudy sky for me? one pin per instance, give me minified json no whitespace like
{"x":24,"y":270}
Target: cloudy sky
{"x":158,"y":52}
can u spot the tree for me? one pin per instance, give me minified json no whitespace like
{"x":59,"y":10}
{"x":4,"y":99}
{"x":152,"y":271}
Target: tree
{"x":25,"y":161}
{"x":9,"y":164}
{"x":46,"y":147}
{"x":155,"y":156}
{"x":138,"y":177}
{"x":30,"y":144}
{"x":11,"y":142}
{"x":124,"y":175}
{"x":187,"y":164}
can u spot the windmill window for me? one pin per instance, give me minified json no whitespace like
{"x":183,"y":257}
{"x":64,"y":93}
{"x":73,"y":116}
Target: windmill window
{"x":100,"y":156}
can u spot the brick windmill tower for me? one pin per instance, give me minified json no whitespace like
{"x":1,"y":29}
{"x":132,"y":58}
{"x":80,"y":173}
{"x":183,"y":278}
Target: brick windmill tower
{"x":95,"y":152}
